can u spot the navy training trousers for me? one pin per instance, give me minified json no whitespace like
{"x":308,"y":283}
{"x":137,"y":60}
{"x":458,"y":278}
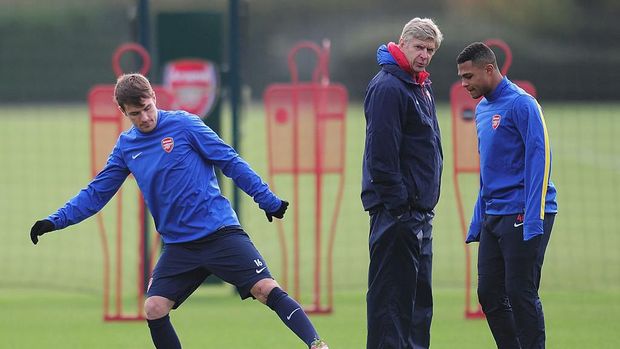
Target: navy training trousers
{"x":509,"y":271}
{"x":399,"y":298}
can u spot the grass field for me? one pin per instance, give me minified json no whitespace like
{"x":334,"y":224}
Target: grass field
{"x":50,"y":295}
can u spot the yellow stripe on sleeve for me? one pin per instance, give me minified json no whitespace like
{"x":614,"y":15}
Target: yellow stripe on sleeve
{"x":545,"y":182}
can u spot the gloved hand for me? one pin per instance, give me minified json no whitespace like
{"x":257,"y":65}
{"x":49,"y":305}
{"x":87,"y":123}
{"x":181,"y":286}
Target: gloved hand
{"x":279,"y":213}
{"x":39,"y":228}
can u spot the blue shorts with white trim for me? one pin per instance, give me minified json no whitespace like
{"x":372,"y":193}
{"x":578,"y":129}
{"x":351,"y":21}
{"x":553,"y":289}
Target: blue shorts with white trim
{"x":228,"y":254}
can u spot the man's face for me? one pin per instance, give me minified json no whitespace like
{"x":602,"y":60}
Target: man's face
{"x":418,"y":52}
{"x":143,"y":117}
{"x":476,"y":79}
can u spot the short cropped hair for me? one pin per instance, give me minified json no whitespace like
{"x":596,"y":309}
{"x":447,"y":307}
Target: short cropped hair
{"x":130,"y":89}
{"x":422,"y":29}
{"x":478,"y":53}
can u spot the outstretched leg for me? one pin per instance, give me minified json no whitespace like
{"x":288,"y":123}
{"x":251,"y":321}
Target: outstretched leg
{"x":157,"y":309}
{"x":268,"y":292}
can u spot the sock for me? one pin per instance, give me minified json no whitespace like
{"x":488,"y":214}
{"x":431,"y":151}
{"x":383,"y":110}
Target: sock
{"x":291,"y":313}
{"x":163,"y":334}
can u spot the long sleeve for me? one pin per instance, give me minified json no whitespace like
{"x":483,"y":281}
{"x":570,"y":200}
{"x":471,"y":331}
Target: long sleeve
{"x":477,"y":218}
{"x":531,"y":125}
{"x":383,"y":138}
{"x":95,"y":196}
{"x":215,"y":150}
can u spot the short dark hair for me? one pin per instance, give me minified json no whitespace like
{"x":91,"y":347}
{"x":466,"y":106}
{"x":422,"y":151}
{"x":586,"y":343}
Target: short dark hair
{"x":130,"y":89}
{"x":478,"y":53}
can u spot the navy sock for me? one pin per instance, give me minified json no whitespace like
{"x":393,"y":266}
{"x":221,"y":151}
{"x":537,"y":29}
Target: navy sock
{"x":163,"y":334}
{"x":291,"y":313}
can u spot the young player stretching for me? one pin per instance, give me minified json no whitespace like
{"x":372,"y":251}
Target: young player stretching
{"x":173,"y":155}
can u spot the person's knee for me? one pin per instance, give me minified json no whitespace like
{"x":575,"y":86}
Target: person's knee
{"x":156,"y":307}
{"x":490,"y":298}
{"x":520,"y":295}
{"x":262,"y":288}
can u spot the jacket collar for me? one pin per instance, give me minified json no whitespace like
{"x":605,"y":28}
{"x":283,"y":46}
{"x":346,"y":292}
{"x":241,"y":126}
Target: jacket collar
{"x":402,"y":75}
{"x":498,"y":90}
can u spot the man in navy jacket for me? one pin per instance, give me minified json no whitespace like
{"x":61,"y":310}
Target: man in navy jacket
{"x":401,"y":179}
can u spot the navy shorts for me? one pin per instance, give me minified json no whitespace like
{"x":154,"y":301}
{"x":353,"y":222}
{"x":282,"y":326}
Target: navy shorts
{"x":228,"y":254}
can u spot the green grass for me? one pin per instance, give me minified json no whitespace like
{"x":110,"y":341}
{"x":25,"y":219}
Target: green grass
{"x":50,"y":295}
{"x":215,"y":317}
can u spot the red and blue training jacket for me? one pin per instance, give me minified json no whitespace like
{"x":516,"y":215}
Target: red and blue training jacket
{"x":403,"y":159}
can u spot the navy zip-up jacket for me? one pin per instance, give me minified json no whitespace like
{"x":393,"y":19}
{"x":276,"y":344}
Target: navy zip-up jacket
{"x":403,"y":159}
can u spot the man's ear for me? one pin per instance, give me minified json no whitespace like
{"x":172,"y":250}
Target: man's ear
{"x":489,"y":68}
{"x":122,"y":110}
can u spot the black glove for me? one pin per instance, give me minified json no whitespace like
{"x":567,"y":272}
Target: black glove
{"x":279,"y":213}
{"x":39,"y":228}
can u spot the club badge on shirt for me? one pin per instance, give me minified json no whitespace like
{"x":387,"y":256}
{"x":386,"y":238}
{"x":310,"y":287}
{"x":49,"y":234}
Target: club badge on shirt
{"x":495,"y":121}
{"x":167,"y":143}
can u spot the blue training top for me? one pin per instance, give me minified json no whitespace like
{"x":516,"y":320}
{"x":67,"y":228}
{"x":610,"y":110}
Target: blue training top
{"x":515,"y":160}
{"x":174,"y":168}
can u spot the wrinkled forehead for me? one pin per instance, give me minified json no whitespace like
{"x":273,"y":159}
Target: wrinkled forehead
{"x":427,"y":43}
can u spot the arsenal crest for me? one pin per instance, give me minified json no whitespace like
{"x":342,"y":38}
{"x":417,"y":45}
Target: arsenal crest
{"x":167,"y":143}
{"x":193,"y":82}
{"x":495,"y":121}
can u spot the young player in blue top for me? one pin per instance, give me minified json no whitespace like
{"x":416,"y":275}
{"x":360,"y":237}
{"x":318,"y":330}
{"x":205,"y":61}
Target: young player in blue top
{"x":173,"y":155}
{"x":516,"y":207}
